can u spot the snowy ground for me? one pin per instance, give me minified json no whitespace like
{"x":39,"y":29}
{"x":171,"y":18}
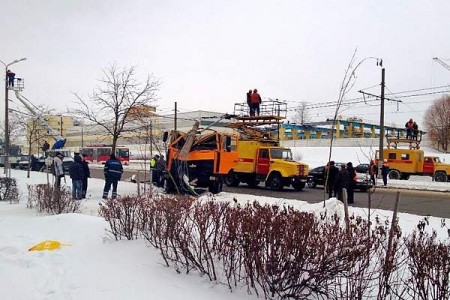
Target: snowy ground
{"x":95,"y":266}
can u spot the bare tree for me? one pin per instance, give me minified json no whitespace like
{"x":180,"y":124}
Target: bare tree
{"x":115,"y":98}
{"x":437,"y":122}
{"x":346,"y":85}
{"x":302,"y":115}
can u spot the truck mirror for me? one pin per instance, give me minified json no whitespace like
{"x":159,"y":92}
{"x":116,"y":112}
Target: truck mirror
{"x":228,"y":143}
{"x":165,"y":136}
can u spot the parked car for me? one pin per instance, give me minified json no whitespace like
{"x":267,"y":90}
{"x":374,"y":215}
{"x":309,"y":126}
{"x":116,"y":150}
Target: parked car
{"x":22,"y":162}
{"x":25,"y":160}
{"x":317,"y":177}
{"x":13,"y":161}
{"x":44,"y":162}
{"x":362,"y":168}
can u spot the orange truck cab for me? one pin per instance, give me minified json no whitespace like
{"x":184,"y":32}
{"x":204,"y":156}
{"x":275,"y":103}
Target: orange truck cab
{"x":207,"y":162}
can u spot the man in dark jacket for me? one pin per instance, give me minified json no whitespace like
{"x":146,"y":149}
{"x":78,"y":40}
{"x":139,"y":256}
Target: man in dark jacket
{"x":351,"y":183}
{"x":76,"y":174}
{"x":160,"y":169}
{"x":341,"y":182}
{"x":249,"y":102}
{"x":385,"y":171}
{"x":113,"y":172}
{"x":45,"y":147}
{"x":86,"y":173}
{"x":11,"y":75}
{"x":331,"y":179}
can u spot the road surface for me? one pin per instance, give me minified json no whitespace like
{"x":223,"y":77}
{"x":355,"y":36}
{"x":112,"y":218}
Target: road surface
{"x":411,"y":201}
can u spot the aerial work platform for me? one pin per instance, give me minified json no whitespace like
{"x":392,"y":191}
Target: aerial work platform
{"x":272,"y":112}
{"x":393,"y":141}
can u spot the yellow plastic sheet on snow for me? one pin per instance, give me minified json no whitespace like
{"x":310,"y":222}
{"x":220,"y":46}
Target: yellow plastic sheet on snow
{"x":47,"y":245}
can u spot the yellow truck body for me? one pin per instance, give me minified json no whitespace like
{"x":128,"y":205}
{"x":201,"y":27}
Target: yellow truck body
{"x":266,"y":161}
{"x":406,"y":162}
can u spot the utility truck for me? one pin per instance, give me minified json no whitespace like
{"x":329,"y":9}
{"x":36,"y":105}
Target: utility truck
{"x":406,"y":162}
{"x":261,"y":158}
{"x":198,"y":160}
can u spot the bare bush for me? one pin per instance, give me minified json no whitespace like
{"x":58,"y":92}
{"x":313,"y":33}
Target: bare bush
{"x":429,"y":265}
{"x":8,"y":190}
{"x":45,"y":198}
{"x":281,"y":253}
{"x":123,"y":216}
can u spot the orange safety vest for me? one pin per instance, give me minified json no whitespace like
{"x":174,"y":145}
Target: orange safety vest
{"x":256,"y":98}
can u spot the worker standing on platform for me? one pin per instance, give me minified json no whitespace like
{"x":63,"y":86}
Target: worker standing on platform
{"x":11,"y":77}
{"x":249,"y":103}
{"x":415,"y":131}
{"x":256,"y":101}
{"x":409,"y":128}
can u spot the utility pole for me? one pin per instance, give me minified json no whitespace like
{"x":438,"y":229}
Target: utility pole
{"x":380,"y":149}
{"x":175,"y":118}
{"x":151,"y":138}
{"x":6,"y":141}
{"x":7,"y":167}
{"x":82,"y":134}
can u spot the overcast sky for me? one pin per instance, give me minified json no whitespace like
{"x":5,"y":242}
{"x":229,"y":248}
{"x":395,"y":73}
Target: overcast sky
{"x":208,"y":54}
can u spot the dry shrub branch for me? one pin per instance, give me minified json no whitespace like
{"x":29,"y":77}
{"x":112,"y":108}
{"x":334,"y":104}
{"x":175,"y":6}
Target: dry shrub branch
{"x":47,"y":199}
{"x":8,"y":189}
{"x":278,"y":252}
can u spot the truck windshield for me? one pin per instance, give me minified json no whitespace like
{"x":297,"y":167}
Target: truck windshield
{"x":280,"y":153}
{"x":436,"y":159}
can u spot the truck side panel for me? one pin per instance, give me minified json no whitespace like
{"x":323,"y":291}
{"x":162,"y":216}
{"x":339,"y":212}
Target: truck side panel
{"x":246,"y":156}
{"x":404,"y":160}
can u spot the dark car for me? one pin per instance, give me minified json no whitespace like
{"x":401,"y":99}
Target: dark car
{"x":44,"y":162}
{"x":22,"y":162}
{"x":316,"y":177}
{"x":362,"y":168}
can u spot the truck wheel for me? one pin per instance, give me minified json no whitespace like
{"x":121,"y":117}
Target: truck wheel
{"x":276,"y":183}
{"x":215,"y":187}
{"x":298,"y":186}
{"x":405,"y":176}
{"x":440,"y":177}
{"x":394,"y":174}
{"x":169,"y":186}
{"x":231,"y":179}
{"x":253,"y":183}
{"x":312,"y":184}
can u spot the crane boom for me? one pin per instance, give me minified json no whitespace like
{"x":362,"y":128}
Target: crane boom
{"x":39,"y":117}
{"x":441,"y":63}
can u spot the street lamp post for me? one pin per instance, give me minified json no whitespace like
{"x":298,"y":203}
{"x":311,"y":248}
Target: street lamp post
{"x":7,"y":146}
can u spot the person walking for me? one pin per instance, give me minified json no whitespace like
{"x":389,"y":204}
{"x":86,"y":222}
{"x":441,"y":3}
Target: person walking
{"x":11,"y":77}
{"x":373,"y":171}
{"x":256,"y":102}
{"x":86,"y":175}
{"x":385,"y":171}
{"x":331,"y":179}
{"x":351,"y":183}
{"x":57,"y":168}
{"x":341,"y":182}
{"x":113,"y":172}
{"x":161,"y":168}
{"x":249,"y":103}
{"x":76,"y":174}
